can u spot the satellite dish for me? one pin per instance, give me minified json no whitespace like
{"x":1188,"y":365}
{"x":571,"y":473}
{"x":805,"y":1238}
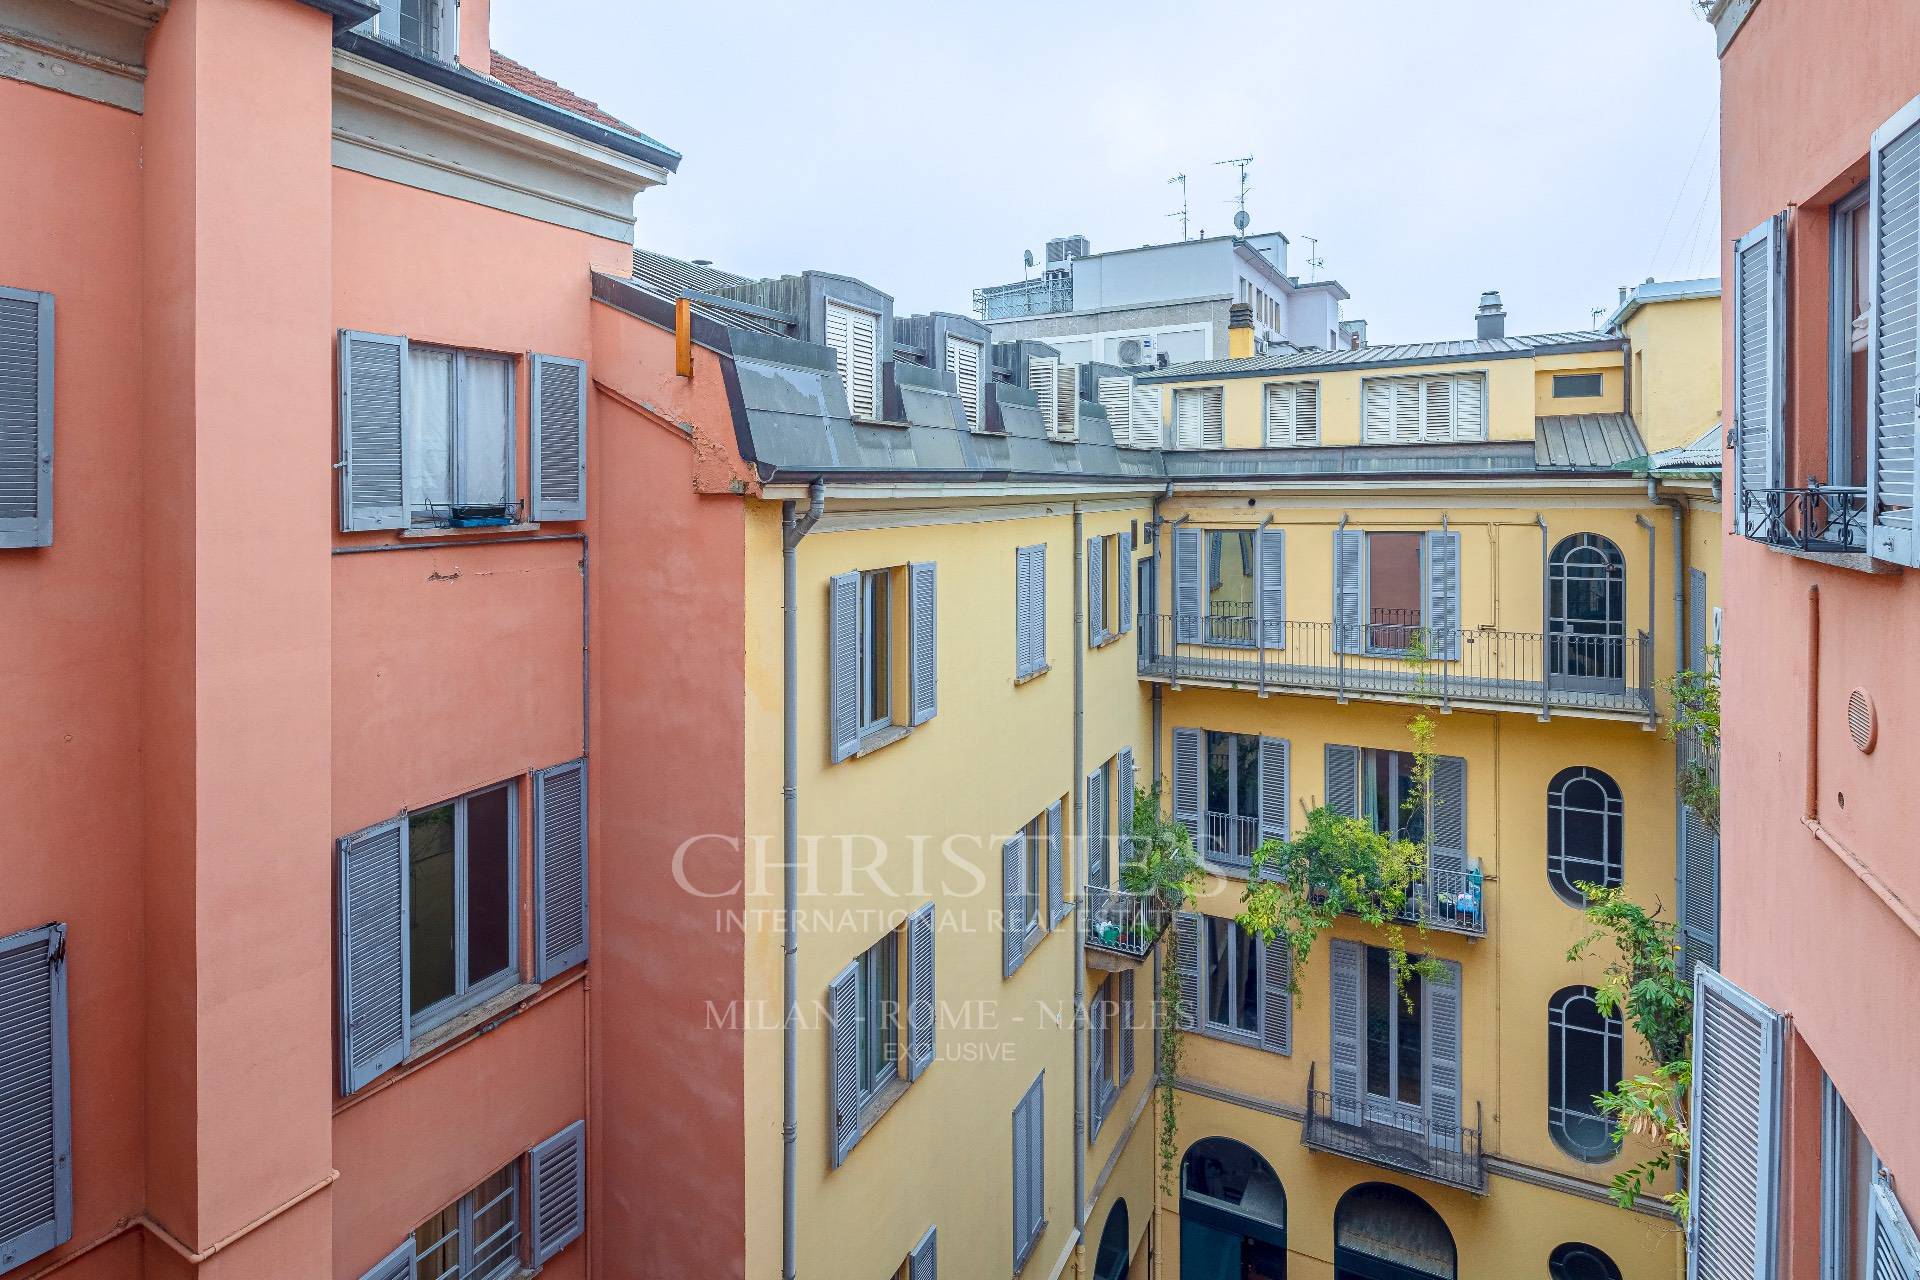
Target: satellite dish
{"x":1240,"y":220}
{"x":1029,"y":257}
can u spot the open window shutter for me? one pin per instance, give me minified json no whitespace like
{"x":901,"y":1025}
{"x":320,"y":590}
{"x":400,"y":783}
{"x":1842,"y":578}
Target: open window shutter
{"x":1275,"y":799}
{"x":1043,"y":379}
{"x":559,"y":446}
{"x":924,"y":676}
{"x":1699,"y":909}
{"x":1349,"y":591}
{"x":1189,"y":602}
{"x":1696,"y":620}
{"x":1096,"y":592}
{"x":1116,"y":397}
{"x":1736,"y":1133}
{"x":1056,"y":874}
{"x":1123,"y":568}
{"x":1346,"y":967}
{"x":1126,"y":1025}
{"x":1758,"y":286}
{"x":1894,"y":333}
{"x":1097,"y":1062}
{"x":1023,"y":610}
{"x":374,"y":1027}
{"x":1273,"y":587}
{"x":1123,"y":797}
{"x":373,"y":399}
{"x":1343,"y":780}
{"x":1891,"y":1245}
{"x":922,"y":1011}
{"x":1187,"y":746}
{"x":1013,"y":903}
{"x":1146,"y":416}
{"x":36,"y":1143}
{"x":397,"y":1265}
{"x":26,"y":418}
{"x":1095,"y":823}
{"x":1213,"y":422}
{"x":559,"y":869}
{"x":853,"y":335}
{"x":920,"y":1263}
{"x":843,"y":1060}
{"x":557,"y":1192}
{"x":1186,"y":958}
{"x":1443,"y":595}
{"x":1447,"y":814}
{"x":1276,"y":995}
{"x":963,"y":361}
{"x":1036,"y":1160}
{"x":843,"y":666}
{"x":1377,"y":423}
{"x":1022,"y":1183}
{"x":1067,"y":420}
{"x":1442,"y":993}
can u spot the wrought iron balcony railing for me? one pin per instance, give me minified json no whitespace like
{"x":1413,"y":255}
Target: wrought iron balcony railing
{"x":1122,"y":923}
{"x":1816,"y":518}
{"x":1392,"y":1137}
{"x":1522,"y":669}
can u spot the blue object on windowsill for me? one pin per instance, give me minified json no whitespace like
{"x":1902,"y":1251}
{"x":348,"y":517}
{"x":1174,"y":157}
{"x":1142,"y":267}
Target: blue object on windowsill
{"x":481,"y":517}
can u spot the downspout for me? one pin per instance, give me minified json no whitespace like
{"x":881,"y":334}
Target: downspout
{"x":1653,"y":629}
{"x":1682,"y":642}
{"x":1546,"y":620}
{"x":1260,"y":600}
{"x":1080,"y":833}
{"x":793,"y":528}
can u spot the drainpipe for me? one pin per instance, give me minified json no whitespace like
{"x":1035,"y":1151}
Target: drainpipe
{"x":1546,"y":610}
{"x":793,"y":528}
{"x":1260,"y":601}
{"x":1681,"y":640}
{"x":1653,"y":628}
{"x":1080,"y":832}
{"x":1159,"y":533}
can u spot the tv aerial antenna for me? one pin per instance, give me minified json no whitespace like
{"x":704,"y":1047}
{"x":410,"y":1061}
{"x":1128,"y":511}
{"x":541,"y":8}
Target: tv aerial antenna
{"x":1241,"y":162}
{"x":1181,"y":212}
{"x":1314,"y":260}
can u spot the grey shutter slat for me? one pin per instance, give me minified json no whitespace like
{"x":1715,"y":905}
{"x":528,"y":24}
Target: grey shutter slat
{"x":557,"y":1192}
{"x":1126,"y":1025}
{"x":1189,"y":602}
{"x":1040,"y":606}
{"x":397,"y":1265}
{"x":26,"y":418}
{"x":1346,"y":965}
{"x":1056,"y":874}
{"x":1037,"y":1161}
{"x":373,"y":400}
{"x":1699,"y":908}
{"x":1343,"y":780}
{"x":1736,"y":1133}
{"x":843,"y":1061}
{"x":36,"y":1140}
{"x":1029,"y":609}
{"x":1447,"y":814}
{"x":843,"y":666}
{"x":1894,"y":333}
{"x":1443,"y":595}
{"x":559,"y":869}
{"x":921,"y":1262}
{"x":1891,"y":1243}
{"x":1696,"y":620}
{"x":1013,"y":903}
{"x":1757,"y":347}
{"x":1123,"y":802}
{"x":1124,"y":584}
{"x":1095,"y":823}
{"x":1022,"y":1135}
{"x":1097,"y":1063}
{"x":559,"y":446}
{"x":1096,"y":592}
{"x":1186,"y":957}
{"x":1349,"y":595}
{"x":374,"y":1005}
{"x":1187,"y":748}
{"x":1273,"y":587}
{"x":1274,"y":782}
{"x":922,"y":1010}
{"x":924,"y":674}
{"x":1276,"y":995}
{"x":1442,"y":992}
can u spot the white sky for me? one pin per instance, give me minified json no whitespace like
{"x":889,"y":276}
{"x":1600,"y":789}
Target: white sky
{"x":1552,"y":149}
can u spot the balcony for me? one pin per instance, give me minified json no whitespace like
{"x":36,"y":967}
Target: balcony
{"x":1496,"y":670}
{"x":1375,"y":1133}
{"x":1816,"y":519}
{"x":1121,"y":927}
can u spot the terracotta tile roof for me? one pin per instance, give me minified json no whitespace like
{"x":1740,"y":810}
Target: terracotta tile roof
{"x":519,"y":76}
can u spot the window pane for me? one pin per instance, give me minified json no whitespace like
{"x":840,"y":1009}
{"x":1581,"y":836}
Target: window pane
{"x":876,"y":664}
{"x":1394,"y":588}
{"x":496,"y":1225}
{"x":1406,"y":1008}
{"x":430,"y":914}
{"x":1220,"y":961}
{"x":1859,"y":237}
{"x":1247,"y":1017}
{"x":1379,"y":1024}
{"x":429,"y":428}
{"x":437,"y":1246}
{"x":1246,"y":751}
{"x":1230,"y":580}
{"x":1219,"y":772}
{"x":486,"y":396}
{"x":490,"y":873}
{"x":1037,"y":858}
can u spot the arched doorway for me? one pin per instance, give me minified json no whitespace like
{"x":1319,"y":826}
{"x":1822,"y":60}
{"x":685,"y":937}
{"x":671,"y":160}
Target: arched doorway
{"x":1587,"y":615}
{"x":1233,"y":1214}
{"x":1383,"y":1232}
{"x":1110,"y":1262}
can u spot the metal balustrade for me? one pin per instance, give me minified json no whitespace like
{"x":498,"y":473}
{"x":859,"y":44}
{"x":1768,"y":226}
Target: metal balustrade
{"x":1388,"y":1137}
{"x":1122,"y":923}
{"x":1816,"y":518}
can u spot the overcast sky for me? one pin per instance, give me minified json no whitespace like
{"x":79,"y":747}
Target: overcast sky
{"x":1552,"y":149}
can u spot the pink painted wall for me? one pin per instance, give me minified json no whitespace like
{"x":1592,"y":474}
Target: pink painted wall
{"x":1804,"y":85}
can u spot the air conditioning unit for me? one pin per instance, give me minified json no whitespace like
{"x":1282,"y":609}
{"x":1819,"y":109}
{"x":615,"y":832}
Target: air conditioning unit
{"x":1132,"y":351}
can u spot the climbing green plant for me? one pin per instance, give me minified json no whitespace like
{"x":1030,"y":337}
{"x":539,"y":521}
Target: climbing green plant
{"x":1696,"y":725}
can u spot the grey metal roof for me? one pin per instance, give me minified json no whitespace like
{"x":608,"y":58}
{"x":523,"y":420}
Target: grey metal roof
{"x":1586,"y":440}
{"x":1412,"y":353}
{"x":672,"y":278}
{"x":1664,"y":291}
{"x":1702,"y":455}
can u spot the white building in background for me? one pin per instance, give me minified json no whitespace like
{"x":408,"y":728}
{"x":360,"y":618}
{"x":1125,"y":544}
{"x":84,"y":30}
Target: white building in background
{"x":1165,"y":304}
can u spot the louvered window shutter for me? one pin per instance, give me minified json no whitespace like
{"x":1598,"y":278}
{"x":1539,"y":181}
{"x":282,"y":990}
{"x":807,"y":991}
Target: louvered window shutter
{"x":36,"y":1142}
{"x":963,"y":361}
{"x":1116,"y":397}
{"x":1096,"y":1063}
{"x":1736,"y":1133}
{"x":1123,"y":793}
{"x":1442,"y":992}
{"x":1126,"y":1025}
{"x":1213,"y":421}
{"x":1346,"y":967}
{"x":373,"y":400}
{"x":1469,"y":407}
{"x":1447,"y":814}
{"x":26,"y":418}
{"x":922,"y":1010}
{"x":1186,"y":958}
{"x":1276,"y":995}
{"x":920,"y":1263}
{"x":1146,"y":417}
{"x":1758,"y":348}
{"x":1893,"y":375}
{"x":853,"y":335}
{"x":1056,"y":873}
{"x":1036,"y":1161}
{"x":557,"y":1192}
{"x":1188,"y":746}
{"x":397,"y":1265}
{"x":559,"y":446}
{"x":1443,"y":595}
{"x":1273,"y":587}
{"x":1275,"y":800}
{"x":1409,"y":399}
{"x":1892,"y":1246}
{"x":1343,"y":780}
{"x":1095,"y":821}
{"x":1043,"y":379}
{"x":1189,"y":604}
{"x":559,"y":869}
{"x":924,"y":676}
{"x":374,"y":1002}
{"x":1349,"y":591}
{"x":1123,"y":568}
{"x":843,"y":666}
{"x":1696,"y":620}
{"x":1013,"y":903}
{"x":1278,"y":427}
{"x":1096,"y":591}
{"x":1306,"y":413}
{"x":1292,"y":414}
{"x":1189,"y":419}
{"x":1067,"y":390}
{"x":1378,"y":404}
{"x":843,"y":1061}
{"x":1699,"y":909}
{"x":1030,"y":609}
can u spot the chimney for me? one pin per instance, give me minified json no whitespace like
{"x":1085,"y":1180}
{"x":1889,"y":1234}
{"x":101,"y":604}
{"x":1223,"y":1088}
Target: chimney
{"x":1623,"y":295}
{"x":1240,"y":331}
{"x":1491,"y":317}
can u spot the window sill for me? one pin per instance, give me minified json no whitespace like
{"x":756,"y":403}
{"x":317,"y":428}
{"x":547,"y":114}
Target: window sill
{"x":1030,"y":676}
{"x":1032,"y":1247}
{"x":1856,"y":561}
{"x":461,"y":1023}
{"x":883,"y":737}
{"x":480,"y":531}
{"x":882,"y":1102}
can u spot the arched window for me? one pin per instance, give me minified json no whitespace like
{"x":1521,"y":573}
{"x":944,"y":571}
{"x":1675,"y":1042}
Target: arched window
{"x":1233,"y":1213}
{"x":1111,"y":1262}
{"x":1586,"y":614}
{"x":1583,"y":832}
{"x":1581,"y":1262}
{"x":1584,"y":1051}
{"x":1380,"y":1229}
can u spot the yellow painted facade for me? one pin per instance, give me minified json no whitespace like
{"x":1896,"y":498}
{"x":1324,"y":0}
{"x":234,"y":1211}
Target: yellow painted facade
{"x":1676,"y":370}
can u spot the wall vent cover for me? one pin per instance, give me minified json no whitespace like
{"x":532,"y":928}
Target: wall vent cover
{"x":1862,"y":722}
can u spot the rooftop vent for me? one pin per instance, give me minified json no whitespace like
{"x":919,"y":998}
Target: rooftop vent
{"x":1491,"y":318}
{"x":1064,"y":249}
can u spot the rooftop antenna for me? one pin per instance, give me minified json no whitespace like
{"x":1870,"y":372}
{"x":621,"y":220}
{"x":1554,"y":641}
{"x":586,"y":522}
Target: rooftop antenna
{"x":1314,"y":260}
{"x":1180,"y":178}
{"x":1242,"y":162}
{"x":1597,"y":313}
{"x":1027,"y":265}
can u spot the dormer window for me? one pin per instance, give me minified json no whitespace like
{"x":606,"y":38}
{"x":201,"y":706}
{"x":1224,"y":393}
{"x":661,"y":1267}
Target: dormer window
{"x":423,"y":27}
{"x":854,"y":336}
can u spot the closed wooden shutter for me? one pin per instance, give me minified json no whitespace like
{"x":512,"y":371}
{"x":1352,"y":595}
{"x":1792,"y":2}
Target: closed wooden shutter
{"x":854,"y":336}
{"x":1891,"y":1243}
{"x":1699,"y":908}
{"x":1442,"y":991}
{"x":1759,"y":348}
{"x":1067,"y":395}
{"x":1029,"y":1171}
{"x":1343,"y":780}
{"x":1346,"y":965}
{"x":843,"y":666}
{"x":1116,"y":397}
{"x":1377,"y":401}
{"x":373,"y":399}
{"x":1186,"y":959}
{"x":1189,"y":419}
{"x":1435,"y":410}
{"x":1096,"y":590}
{"x":1043,"y":379}
{"x":1276,"y":995}
{"x":1126,"y":1025}
{"x":374,"y":1003}
{"x":1123,"y":582}
{"x":1096,"y":829}
{"x":1189,"y":599}
{"x":1350,"y":591}
{"x":1447,"y":815}
{"x":1213,"y":418}
{"x":1145,"y":418}
{"x":1030,"y":609}
{"x":1273,"y":587}
{"x":920,"y":1263}
{"x":924,"y":674}
{"x":1275,"y":797}
{"x":1292,"y":414}
{"x":1894,"y":336}
{"x":559,"y":869}
{"x":1014,"y":906}
{"x":963,"y":362}
{"x":922,"y":1008}
{"x":843,"y":1061}
{"x":36,"y":1141}
{"x":1123,"y":786}
{"x":1056,"y":870}
{"x":559,"y":446}
{"x":397,"y":1265}
{"x":26,"y":418}
{"x":1188,"y":780}
{"x":1443,"y":595}
{"x":557,"y":1192}
{"x":1469,"y":421}
{"x":1736,"y":1133}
